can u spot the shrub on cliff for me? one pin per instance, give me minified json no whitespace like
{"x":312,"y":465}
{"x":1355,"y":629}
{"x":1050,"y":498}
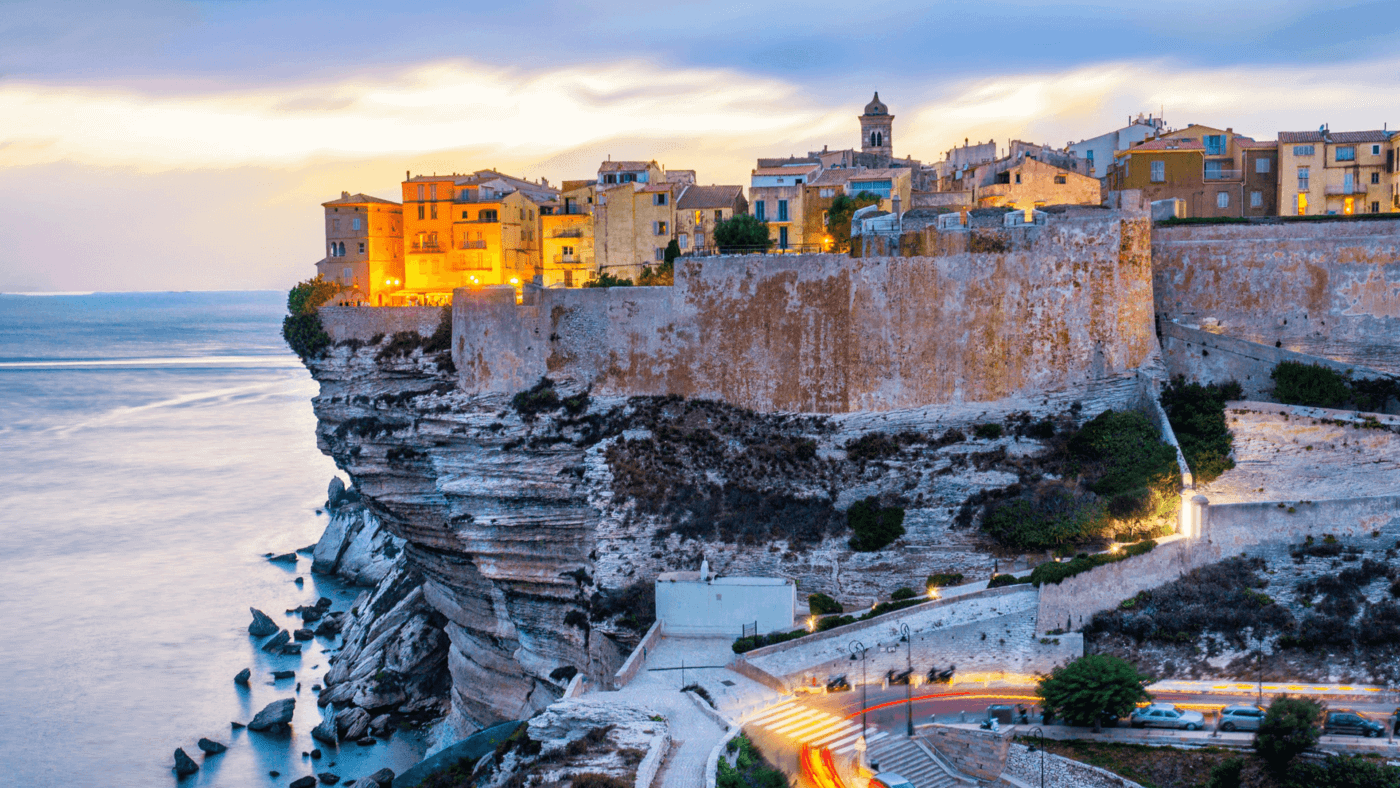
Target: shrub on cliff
{"x":942,"y":579}
{"x":874,"y":527}
{"x":1290,"y":728}
{"x":663,"y":275}
{"x":302,"y":328}
{"x":1049,"y":515}
{"x":750,"y":769}
{"x":742,"y":233}
{"x":1197,"y":416}
{"x":821,"y":605}
{"x":1092,"y":688}
{"x":634,"y":606}
{"x":606,"y":279}
{"x":1296,"y":383}
{"x":839,"y":215}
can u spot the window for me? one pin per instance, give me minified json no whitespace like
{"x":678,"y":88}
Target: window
{"x":362,"y":247}
{"x":420,"y":213}
{"x":432,"y":191}
{"x":1215,"y":144}
{"x":420,"y":194}
{"x":782,"y":210}
{"x":433,"y":207}
{"x":1159,"y":171}
{"x":659,"y":228}
{"x":486,"y":216}
{"x":1349,"y":206}
{"x":1348,"y":182}
{"x":1375,"y":177}
{"x":567,"y":251}
{"x":827,"y":193}
{"x":1303,"y":175}
{"x":1375,"y":150}
{"x":683,"y":241}
{"x":782,"y":237}
{"x":1302,"y":204}
{"x":660,"y":255}
{"x":1060,"y":180}
{"x":699,"y":218}
{"x":346,"y":274}
{"x":826,"y":218}
{"x":1261,"y":166}
{"x":355,"y":223}
{"x":719,"y":216}
{"x":1222,"y":199}
{"x":1215,"y":169}
{"x":629,"y":177}
{"x":659,"y":199}
{"x":1256,"y":199}
{"x":759,"y":211}
{"x":340,"y":250}
{"x":1018,"y":177}
{"x":609,"y":179}
{"x":1375,"y":207}
{"x":1302,"y":150}
{"x":465,"y":214}
{"x":1346,"y":153}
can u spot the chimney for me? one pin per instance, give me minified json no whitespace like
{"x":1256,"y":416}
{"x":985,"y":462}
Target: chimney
{"x":894,"y":204}
{"x":407,"y":175}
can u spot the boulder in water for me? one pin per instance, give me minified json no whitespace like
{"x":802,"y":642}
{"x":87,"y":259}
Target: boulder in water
{"x":384,"y":778}
{"x":303,"y":634}
{"x":352,"y":723}
{"x":277,"y":641}
{"x":184,"y":764}
{"x":243,"y":676}
{"x":262,"y":625}
{"x":325,"y":732}
{"x":285,"y":558}
{"x":278,"y":712}
{"x":291,"y":650}
{"x":329,"y":778}
{"x":212,"y":747}
{"x":303,"y":782}
{"x":283,"y":674}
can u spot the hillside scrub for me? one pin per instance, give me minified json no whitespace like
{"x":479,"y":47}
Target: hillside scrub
{"x":1315,"y":385}
{"x":749,"y":770}
{"x":1197,"y":416}
{"x":822,"y":605}
{"x":873,"y":526}
{"x":1055,"y":572}
{"x":302,"y":328}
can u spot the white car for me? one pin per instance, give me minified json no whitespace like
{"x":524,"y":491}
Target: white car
{"x":1165,"y":715}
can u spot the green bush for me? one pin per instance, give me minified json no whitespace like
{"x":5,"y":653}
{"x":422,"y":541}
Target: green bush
{"x":606,"y":279}
{"x":1342,"y":772}
{"x":1047,"y":517}
{"x":1226,"y":774}
{"x":874,"y":527}
{"x":901,"y":594}
{"x":943,"y":579}
{"x":1054,"y":572}
{"x":741,"y":233}
{"x":1296,"y":383}
{"x":302,"y":328}
{"x":822,"y":605}
{"x":1290,"y":728}
{"x":988,"y":431}
{"x":1197,"y":416}
{"x":1091,"y":688}
{"x":1125,"y":455}
{"x":998,"y":581}
{"x":750,"y":769}
{"x":539,"y":398}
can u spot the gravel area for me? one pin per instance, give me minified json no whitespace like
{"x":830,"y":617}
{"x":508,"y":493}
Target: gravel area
{"x":1060,"y":772}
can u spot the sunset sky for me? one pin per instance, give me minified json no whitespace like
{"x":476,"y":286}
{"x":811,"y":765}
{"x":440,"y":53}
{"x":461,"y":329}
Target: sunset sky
{"x":187,"y":145}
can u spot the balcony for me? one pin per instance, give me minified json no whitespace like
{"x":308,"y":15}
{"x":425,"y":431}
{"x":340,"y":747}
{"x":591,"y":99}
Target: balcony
{"x":572,"y":232}
{"x":1223,"y":175}
{"x":572,"y":259}
{"x":471,"y":245}
{"x":425,"y":246}
{"x":1344,"y":190}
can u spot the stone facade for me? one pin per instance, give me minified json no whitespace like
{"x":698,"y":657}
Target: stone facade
{"x":971,"y":750}
{"x":363,"y":323}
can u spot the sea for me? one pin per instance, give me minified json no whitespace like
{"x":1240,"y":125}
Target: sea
{"x":154,"y":447}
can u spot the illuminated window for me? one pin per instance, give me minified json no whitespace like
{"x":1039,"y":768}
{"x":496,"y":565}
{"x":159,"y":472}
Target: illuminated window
{"x":659,"y":228}
{"x":1349,"y":206}
{"x":699,"y":218}
{"x":1159,"y":172}
{"x":1302,"y":204}
{"x":1261,"y":166}
{"x":1346,"y":153}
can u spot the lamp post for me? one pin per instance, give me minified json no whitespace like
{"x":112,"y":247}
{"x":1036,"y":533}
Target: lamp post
{"x":857,"y":646}
{"x":1036,"y":731}
{"x":905,"y":636}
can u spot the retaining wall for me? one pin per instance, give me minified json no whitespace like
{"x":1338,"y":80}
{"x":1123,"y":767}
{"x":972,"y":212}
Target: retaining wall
{"x":969,"y":749}
{"x":638,"y":658}
{"x":1328,"y":288}
{"x":364,"y":322}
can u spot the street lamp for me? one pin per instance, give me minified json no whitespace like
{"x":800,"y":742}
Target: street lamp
{"x":908,"y":677}
{"x":857,"y":646}
{"x":1036,"y":731}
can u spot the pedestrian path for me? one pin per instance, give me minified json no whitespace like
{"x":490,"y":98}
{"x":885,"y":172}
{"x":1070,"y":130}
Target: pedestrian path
{"x":804,"y":725}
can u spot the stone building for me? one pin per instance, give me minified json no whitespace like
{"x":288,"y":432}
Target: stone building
{"x":1030,"y":183}
{"x":1341,"y":172}
{"x":877,"y":130}
{"x":364,"y":248}
{"x":1200,"y":165}
{"x":1261,"y":174}
{"x":776,"y":196}
{"x":566,"y":237}
{"x":700,"y":208}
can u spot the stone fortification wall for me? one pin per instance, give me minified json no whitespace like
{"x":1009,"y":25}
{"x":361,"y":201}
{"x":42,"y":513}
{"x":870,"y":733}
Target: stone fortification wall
{"x":990,"y":631}
{"x":1207,"y":357}
{"x":1324,"y":288}
{"x":827,"y":334}
{"x":365,"y":322}
{"x":971,"y":750}
{"x":1071,"y":603}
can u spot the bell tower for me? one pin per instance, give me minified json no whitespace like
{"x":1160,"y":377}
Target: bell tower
{"x":876,"y":129}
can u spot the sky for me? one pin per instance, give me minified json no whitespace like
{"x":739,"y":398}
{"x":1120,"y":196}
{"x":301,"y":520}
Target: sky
{"x":176,"y":145}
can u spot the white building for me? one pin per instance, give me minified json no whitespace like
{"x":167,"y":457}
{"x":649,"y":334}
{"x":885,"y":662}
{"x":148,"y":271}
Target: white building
{"x":1099,"y":150}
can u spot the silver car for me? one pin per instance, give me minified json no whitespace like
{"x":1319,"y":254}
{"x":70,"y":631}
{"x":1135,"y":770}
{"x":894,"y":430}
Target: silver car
{"x":1241,"y":718}
{"x":1165,"y":715}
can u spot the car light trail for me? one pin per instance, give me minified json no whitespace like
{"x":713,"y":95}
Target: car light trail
{"x":819,"y":768}
{"x":945,"y":695}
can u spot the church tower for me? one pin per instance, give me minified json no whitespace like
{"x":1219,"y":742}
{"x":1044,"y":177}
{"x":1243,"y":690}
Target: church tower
{"x":875,"y":129}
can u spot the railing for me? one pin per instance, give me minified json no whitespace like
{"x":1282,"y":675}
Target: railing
{"x":1355,"y":188}
{"x":1222,"y":175}
{"x":576,"y":232}
{"x":472,"y":245}
{"x":572,"y":258}
{"x":425,"y":246}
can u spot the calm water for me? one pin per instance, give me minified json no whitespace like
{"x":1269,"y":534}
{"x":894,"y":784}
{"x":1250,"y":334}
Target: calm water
{"x":153,"y":446}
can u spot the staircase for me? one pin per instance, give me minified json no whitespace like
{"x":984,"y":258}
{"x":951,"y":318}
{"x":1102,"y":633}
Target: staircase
{"x":916,"y":763}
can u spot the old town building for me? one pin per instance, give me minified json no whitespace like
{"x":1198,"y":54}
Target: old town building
{"x":364,"y":248}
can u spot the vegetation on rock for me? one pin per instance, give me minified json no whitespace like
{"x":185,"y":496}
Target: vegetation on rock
{"x":606,"y":279}
{"x":749,"y":770}
{"x":1315,"y":385}
{"x":873,"y":526}
{"x":1290,"y":728}
{"x":1197,"y":416}
{"x":821,"y":605}
{"x":302,"y":328}
{"x":1055,"y":572}
{"x":839,"y":217}
{"x":1092,"y":688}
{"x":942,"y":579}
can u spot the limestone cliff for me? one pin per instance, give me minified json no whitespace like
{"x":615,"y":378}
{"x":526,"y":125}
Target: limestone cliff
{"x":531,"y":527}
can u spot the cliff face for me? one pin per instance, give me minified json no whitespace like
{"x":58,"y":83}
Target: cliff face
{"x":533,"y":526}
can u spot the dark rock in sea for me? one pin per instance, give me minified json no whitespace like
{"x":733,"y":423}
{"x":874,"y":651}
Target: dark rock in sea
{"x":184,"y":764}
{"x":379,"y":726}
{"x":303,"y":782}
{"x":300,"y":581}
{"x":291,"y":650}
{"x":303,"y":634}
{"x":329,"y":778}
{"x":331,"y":625}
{"x":307,"y":550}
{"x":384,"y":778}
{"x":315,"y":687}
{"x":310,"y":613}
{"x":283,"y":674}
{"x":285,"y":558}
{"x":334,"y":492}
{"x":324,"y":732}
{"x":278,"y":712}
{"x":274,"y":774}
{"x":316,"y":753}
{"x":277,"y":641}
{"x":212,"y":747}
{"x":243,"y":676}
{"x":367,"y":741}
{"x":324,"y":603}
{"x":262,"y":625}
{"x":352,"y":723}
{"x":237,"y":725}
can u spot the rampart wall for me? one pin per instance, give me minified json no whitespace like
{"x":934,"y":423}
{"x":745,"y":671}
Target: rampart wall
{"x":828,"y":334}
{"x":1327,"y":288}
{"x":365,"y":322}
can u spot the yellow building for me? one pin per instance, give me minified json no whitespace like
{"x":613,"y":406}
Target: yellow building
{"x":1343,"y":172}
{"x":364,"y":248}
{"x":1029,"y":183}
{"x":1202,"y":166}
{"x":777,"y":195}
{"x":634,"y":215}
{"x":700,"y":208}
{"x":566,"y":232}
{"x":470,"y":230}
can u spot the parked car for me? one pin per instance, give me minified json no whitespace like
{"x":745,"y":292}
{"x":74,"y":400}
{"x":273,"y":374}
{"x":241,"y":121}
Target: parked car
{"x":1166,"y":715}
{"x":1351,"y":723}
{"x":837,"y":683}
{"x":1241,"y":718}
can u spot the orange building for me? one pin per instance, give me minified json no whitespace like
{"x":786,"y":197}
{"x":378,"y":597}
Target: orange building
{"x":1200,"y":165}
{"x":364,"y":248}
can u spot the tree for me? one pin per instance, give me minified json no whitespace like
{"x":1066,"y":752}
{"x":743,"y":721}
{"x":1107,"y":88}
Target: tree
{"x":1226,"y":774}
{"x":673,"y":250}
{"x":1289,"y":728}
{"x":838,"y":216}
{"x":302,"y":328}
{"x":873,"y":527}
{"x":662,"y":275}
{"x":606,"y":279}
{"x":1091,"y":688}
{"x":742,"y":233}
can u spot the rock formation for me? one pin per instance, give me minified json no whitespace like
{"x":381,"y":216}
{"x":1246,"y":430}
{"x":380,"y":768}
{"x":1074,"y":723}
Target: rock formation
{"x":273,"y":715}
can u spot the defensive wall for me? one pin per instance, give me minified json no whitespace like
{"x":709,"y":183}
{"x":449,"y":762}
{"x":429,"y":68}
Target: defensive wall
{"x":824,"y":333}
{"x":365,"y":322}
{"x":1206,"y":357}
{"x":1327,"y":288}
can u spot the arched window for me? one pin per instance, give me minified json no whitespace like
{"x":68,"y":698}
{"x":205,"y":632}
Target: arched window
{"x":340,"y":249}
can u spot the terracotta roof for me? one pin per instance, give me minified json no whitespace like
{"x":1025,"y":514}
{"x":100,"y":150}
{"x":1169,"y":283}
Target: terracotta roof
{"x":1168,"y":144}
{"x":621,"y":166}
{"x":1256,"y":145}
{"x":658,"y":187}
{"x":357,"y":199}
{"x":892,"y":172}
{"x":838,"y":176}
{"x":1343,"y":137}
{"x":796,"y":169}
{"x":709,"y":197}
{"x":569,"y":186}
